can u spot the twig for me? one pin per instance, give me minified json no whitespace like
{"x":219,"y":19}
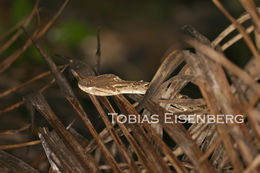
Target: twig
{"x":11,"y":30}
{"x":40,"y":76}
{"x":18,"y":104}
{"x":9,"y":60}
{"x":229,"y":29}
{"x":236,"y":38}
{"x":221,"y":59}
{"x":250,"y":7}
{"x":240,"y":28}
{"x":19,"y":32}
{"x":253,"y":165}
{"x":10,"y":132}
{"x":98,"y":53}
{"x":6,"y":147}
{"x":12,"y":107}
{"x":70,"y":96}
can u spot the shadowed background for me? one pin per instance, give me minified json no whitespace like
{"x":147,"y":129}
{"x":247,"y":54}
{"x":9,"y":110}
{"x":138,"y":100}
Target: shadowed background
{"x":135,"y":36}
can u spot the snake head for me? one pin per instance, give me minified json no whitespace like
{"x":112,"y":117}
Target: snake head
{"x":102,"y":85}
{"x":109,"y":84}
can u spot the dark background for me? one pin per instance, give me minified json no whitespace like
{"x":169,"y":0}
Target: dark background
{"x":135,"y":37}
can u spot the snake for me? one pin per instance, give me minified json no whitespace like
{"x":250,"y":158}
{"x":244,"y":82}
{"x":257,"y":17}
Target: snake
{"x":110,"y":84}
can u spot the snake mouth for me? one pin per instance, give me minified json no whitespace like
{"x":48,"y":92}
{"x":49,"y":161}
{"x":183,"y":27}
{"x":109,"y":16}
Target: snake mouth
{"x":100,"y":92}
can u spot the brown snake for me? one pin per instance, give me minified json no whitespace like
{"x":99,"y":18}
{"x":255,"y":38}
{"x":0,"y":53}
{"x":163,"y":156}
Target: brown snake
{"x":110,"y":84}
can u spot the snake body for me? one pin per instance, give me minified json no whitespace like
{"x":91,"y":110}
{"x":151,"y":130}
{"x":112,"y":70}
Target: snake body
{"x":110,"y":84}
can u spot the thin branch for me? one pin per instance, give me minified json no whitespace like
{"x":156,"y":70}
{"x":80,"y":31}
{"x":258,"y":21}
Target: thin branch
{"x":240,"y":28}
{"x":12,"y":146}
{"x":98,"y":53}
{"x":221,"y":59}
